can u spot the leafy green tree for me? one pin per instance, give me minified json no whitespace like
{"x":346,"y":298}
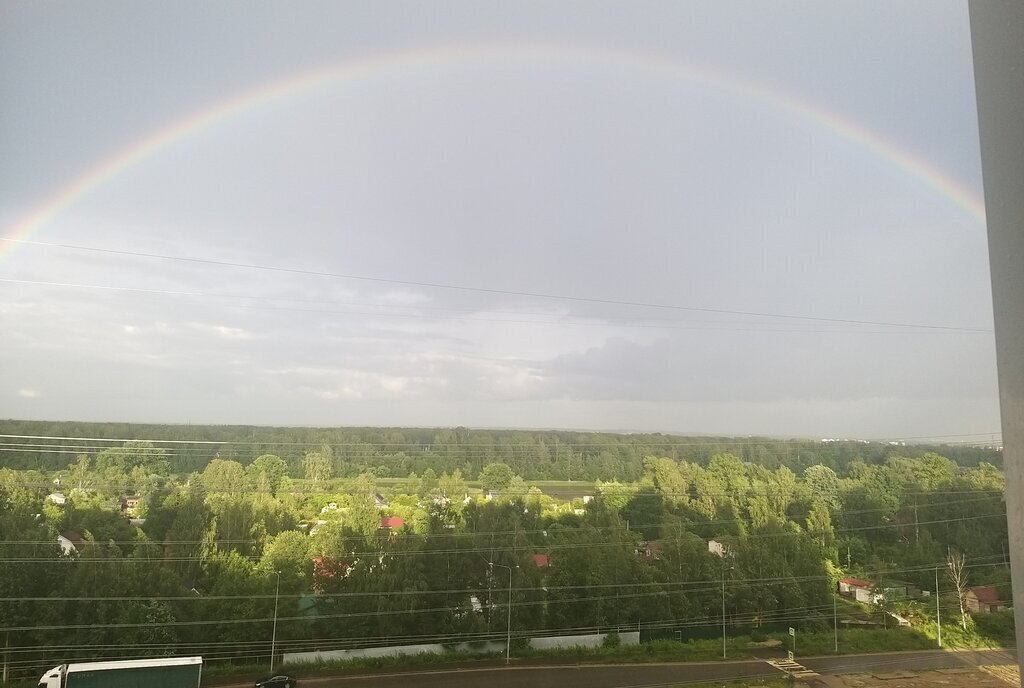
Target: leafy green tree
{"x":819,"y":523}
{"x":222,"y":476}
{"x":289,"y":554}
{"x":824,"y":484}
{"x":120,"y":460}
{"x":318,"y":468}
{"x":667,"y":478}
{"x":616,"y":495}
{"x":517,"y":488}
{"x":452,"y":486}
{"x":363,"y":516}
{"x":79,"y":473}
{"x":732,"y":474}
{"x":496,"y":476}
{"x":428,"y":483}
{"x":188,"y":522}
{"x":266,"y":473}
{"x":237,"y":527}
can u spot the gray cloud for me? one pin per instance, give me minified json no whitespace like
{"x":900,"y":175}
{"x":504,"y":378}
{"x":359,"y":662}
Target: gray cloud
{"x":514,"y":174}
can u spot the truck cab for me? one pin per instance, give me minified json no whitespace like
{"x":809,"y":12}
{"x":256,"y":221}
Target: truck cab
{"x":54,"y":678}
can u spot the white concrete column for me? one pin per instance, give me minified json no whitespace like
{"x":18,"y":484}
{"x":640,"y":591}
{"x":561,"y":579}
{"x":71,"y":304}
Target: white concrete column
{"x":997,"y":33}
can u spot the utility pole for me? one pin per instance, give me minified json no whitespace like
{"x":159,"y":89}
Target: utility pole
{"x":273,"y":638}
{"x":835,"y":622}
{"x":508,"y":635}
{"x":917,"y":527}
{"x":723,"y":613}
{"x":938,"y":618}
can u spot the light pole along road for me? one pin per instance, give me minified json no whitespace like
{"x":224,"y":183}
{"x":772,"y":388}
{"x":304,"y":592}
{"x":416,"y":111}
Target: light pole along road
{"x":508,"y":635}
{"x":273,"y":637}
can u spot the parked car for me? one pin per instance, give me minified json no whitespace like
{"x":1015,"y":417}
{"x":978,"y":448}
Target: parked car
{"x":280,"y":681}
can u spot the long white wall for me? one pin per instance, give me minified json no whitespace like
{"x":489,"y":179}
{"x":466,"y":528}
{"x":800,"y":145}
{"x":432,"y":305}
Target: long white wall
{"x":545,"y":643}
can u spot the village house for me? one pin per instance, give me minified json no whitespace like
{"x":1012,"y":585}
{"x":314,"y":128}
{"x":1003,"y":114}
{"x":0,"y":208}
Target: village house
{"x":719,"y":549}
{"x":129,"y":503}
{"x":57,"y":498}
{"x":859,"y":589}
{"x":983,"y":599}
{"x":71,"y":542}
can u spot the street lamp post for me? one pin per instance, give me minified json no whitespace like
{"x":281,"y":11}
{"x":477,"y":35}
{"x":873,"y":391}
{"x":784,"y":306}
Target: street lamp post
{"x":835,"y":621}
{"x":508,"y":634}
{"x":723,"y":613}
{"x":273,"y":638}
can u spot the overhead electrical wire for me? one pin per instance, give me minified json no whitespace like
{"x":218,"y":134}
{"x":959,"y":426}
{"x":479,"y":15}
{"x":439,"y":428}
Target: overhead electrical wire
{"x":483,"y":290}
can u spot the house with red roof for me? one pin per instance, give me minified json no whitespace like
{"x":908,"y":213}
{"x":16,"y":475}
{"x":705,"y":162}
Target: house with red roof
{"x":541,"y":561}
{"x":984,"y":599}
{"x":327,"y":568}
{"x":391,"y":522}
{"x":859,"y":589}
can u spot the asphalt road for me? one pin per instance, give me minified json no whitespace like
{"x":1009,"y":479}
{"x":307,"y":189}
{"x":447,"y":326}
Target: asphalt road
{"x":559,"y":676}
{"x":894,"y":661}
{"x":637,"y":675}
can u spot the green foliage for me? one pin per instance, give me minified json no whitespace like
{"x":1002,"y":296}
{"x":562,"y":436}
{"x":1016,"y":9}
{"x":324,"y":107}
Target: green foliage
{"x":496,"y":476}
{"x":824,"y":484}
{"x":996,"y":628}
{"x":223,"y":476}
{"x":266,"y":472}
{"x":213,"y":543}
{"x":318,"y":467}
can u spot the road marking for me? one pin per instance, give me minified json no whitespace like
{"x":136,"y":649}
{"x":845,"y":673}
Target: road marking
{"x":792,"y":668}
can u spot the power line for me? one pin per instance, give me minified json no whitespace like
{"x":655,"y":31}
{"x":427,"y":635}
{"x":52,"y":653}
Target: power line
{"x":483,"y":290}
{"x":667,"y":587}
{"x":712,"y":587}
{"x":598,"y":321}
{"x":551,"y":547}
{"x":945,"y":504}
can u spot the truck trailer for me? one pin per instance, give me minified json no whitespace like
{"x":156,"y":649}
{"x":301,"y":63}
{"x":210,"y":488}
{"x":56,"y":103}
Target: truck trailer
{"x":167,"y":672}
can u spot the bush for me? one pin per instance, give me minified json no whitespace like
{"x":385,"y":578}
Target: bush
{"x":997,"y":627}
{"x":612,"y":640}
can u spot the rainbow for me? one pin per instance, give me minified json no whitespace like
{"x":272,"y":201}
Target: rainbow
{"x":353,"y":71}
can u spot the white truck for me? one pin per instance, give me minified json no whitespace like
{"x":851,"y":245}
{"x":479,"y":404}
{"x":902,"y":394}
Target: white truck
{"x":166,"y":672}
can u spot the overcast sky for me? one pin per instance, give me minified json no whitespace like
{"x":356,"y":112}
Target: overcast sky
{"x":689,"y":155}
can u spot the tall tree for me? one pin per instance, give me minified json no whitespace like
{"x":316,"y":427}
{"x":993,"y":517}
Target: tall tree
{"x":958,"y":577}
{"x":223,"y":476}
{"x":266,"y":472}
{"x":318,"y":468}
{"x":496,"y":476}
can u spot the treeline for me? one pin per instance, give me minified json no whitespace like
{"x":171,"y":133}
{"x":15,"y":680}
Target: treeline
{"x":397,"y":452}
{"x":220,"y":550}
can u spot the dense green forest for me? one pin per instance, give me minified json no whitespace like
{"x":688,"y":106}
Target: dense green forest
{"x":535,"y":455}
{"x":215,"y":549}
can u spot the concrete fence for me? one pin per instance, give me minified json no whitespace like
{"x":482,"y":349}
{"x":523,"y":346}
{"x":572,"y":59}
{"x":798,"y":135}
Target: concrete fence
{"x":544,"y":643}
